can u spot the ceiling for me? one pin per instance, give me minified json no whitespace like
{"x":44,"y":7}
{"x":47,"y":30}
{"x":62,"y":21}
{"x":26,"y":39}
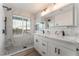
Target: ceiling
{"x":31,"y":8}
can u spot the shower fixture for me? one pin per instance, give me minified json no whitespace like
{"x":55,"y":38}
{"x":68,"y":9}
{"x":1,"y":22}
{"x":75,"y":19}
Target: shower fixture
{"x":8,"y":9}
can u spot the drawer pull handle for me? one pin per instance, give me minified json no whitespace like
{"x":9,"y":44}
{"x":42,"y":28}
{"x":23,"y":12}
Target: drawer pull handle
{"x":36,"y":40}
{"x":58,"y":51}
{"x":43,"y":52}
{"x":55,"y":50}
{"x":43,"y":44}
{"x":77,"y":49}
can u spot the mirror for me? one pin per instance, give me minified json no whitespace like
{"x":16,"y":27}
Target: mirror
{"x":45,"y":23}
{"x":49,"y":22}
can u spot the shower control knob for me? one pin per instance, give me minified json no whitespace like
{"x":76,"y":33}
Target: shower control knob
{"x":3,"y":31}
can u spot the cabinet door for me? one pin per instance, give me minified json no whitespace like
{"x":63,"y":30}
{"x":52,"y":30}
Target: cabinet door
{"x":65,"y":52}
{"x":64,"y":16}
{"x":52,"y":50}
{"x":44,"y":52}
{"x":36,"y":44}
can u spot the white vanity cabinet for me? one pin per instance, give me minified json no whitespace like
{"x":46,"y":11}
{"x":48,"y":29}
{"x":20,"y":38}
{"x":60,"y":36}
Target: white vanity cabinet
{"x":40,"y":45}
{"x":44,"y":47}
{"x":60,"y":48}
{"x":62,"y":51}
{"x":54,"y":47}
{"x":64,"y":16}
{"x":37,"y":43}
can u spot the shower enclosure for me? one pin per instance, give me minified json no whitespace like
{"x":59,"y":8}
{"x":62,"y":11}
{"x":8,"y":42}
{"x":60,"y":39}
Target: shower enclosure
{"x":2,"y":30}
{"x":18,"y":34}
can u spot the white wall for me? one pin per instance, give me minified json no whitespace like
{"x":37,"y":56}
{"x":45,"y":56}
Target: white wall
{"x":2,"y":38}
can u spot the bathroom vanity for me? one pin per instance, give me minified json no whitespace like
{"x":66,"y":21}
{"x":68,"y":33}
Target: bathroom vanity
{"x":53,"y":45}
{"x":56,"y":46}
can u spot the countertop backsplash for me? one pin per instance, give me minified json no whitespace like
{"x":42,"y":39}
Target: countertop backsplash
{"x":69,"y":31}
{"x":72,"y":31}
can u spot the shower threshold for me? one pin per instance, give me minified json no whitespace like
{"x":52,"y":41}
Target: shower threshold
{"x":19,"y":52}
{"x":25,"y":52}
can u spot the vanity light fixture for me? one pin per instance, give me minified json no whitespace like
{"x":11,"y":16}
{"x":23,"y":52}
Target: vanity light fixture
{"x":48,"y":9}
{"x":43,"y":12}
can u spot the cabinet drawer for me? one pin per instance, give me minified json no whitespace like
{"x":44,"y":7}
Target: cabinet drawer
{"x":44,"y":45}
{"x":36,"y":41}
{"x":44,"y":52}
{"x":36,"y":36}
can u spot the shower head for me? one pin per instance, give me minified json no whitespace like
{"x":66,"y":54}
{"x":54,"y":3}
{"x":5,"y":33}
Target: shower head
{"x":8,"y":9}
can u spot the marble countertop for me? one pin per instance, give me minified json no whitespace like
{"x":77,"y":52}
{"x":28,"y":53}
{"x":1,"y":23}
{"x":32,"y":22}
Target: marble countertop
{"x":63,"y":38}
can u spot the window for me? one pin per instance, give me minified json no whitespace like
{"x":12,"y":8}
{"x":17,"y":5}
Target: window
{"x":21,"y":24}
